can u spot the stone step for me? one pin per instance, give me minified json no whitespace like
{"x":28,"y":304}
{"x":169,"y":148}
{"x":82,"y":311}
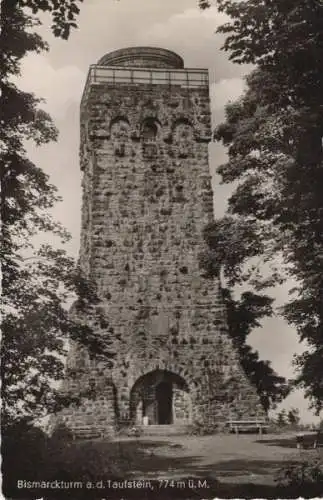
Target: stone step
{"x":165,"y":430}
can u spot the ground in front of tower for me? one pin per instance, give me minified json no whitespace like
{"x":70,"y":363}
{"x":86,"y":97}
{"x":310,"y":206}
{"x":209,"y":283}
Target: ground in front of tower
{"x":225,"y":458}
{"x":165,"y":467}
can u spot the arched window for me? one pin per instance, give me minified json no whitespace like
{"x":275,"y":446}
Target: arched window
{"x":119,"y":131}
{"x":149,"y":133}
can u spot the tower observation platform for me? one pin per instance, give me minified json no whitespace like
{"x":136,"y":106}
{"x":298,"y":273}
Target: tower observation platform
{"x":144,"y":65}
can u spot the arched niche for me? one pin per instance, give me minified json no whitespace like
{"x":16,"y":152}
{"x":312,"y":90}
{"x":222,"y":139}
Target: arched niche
{"x":120,"y":135}
{"x":182,"y":138}
{"x":149,"y":133}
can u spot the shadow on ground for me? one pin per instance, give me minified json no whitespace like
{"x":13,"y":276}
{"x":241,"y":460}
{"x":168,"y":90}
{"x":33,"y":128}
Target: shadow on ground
{"x":153,"y":457}
{"x":288,"y":442}
{"x":183,"y":477}
{"x":249,"y":468}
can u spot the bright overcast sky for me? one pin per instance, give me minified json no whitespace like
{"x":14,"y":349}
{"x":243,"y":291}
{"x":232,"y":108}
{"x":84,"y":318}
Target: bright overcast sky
{"x":59,"y":77}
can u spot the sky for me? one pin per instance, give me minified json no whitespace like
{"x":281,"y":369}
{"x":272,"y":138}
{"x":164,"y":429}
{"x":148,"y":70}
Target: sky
{"x":59,"y":77}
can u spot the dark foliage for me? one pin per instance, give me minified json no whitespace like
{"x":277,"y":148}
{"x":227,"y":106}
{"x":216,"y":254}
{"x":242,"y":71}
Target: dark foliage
{"x":274,"y":138}
{"x":244,"y":315}
{"x":307,"y":473}
{"x":37,"y":282}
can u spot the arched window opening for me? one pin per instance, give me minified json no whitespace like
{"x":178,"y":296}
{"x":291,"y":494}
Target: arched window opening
{"x":148,"y":136}
{"x":119,"y":130}
{"x":149,"y":131}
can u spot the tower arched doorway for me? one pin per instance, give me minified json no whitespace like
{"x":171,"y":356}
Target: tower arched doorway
{"x":164,"y":403}
{"x":162,"y":398}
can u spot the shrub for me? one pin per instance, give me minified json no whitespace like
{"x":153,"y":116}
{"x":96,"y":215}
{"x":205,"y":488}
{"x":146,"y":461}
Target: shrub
{"x":203,"y":429}
{"x":29,"y":454}
{"x":24,"y":453}
{"x":309,"y":472}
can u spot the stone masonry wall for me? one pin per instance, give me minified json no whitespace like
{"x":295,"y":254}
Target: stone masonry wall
{"x":146,"y":198}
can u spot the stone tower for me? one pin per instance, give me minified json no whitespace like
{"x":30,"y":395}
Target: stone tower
{"x":145,"y":129}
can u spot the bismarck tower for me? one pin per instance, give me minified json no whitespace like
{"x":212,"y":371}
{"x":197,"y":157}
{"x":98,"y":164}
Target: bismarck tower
{"x":147,"y":196}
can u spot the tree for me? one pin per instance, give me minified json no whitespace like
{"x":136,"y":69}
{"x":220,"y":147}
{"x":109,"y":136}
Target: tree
{"x":223,"y":241}
{"x":26,"y":192}
{"x":37,"y":282}
{"x":281,"y":418}
{"x":282,"y":38}
{"x":274,"y":138}
{"x":244,"y":315}
{"x":293,"y":416}
{"x":37,"y":327}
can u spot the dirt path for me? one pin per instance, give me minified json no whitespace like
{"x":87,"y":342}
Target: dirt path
{"x":228,"y":458}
